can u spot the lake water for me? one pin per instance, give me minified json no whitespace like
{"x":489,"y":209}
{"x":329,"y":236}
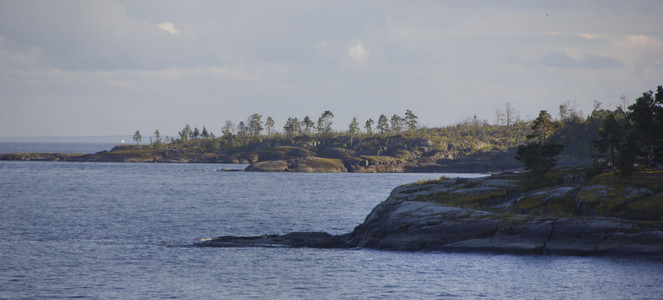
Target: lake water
{"x":124,"y":231}
{"x":39,"y":147}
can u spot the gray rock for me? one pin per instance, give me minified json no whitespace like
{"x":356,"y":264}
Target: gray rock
{"x":290,"y":240}
{"x":268,"y":166}
{"x":597,"y":235}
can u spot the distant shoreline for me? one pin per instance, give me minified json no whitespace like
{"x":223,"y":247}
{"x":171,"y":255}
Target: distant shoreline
{"x":106,"y":139}
{"x":267,"y":161}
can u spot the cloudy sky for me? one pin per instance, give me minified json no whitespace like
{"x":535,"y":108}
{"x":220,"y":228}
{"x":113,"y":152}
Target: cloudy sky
{"x":80,"y":68}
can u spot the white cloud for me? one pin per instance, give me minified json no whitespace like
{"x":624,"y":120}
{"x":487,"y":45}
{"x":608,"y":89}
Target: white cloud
{"x":168,"y":26}
{"x":639,"y":39}
{"x":358,"y":52}
{"x":591,"y":36}
{"x":587,"y":36}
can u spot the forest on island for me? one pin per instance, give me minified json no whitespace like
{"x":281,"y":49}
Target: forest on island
{"x":625,"y":138}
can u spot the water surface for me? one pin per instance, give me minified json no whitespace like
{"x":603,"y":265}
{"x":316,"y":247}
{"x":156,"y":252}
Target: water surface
{"x":122,"y":230}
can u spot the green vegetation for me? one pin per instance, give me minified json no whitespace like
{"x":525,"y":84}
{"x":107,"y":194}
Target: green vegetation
{"x":560,"y":193}
{"x":623,"y":140}
{"x":137,"y":137}
{"x":539,"y":154}
{"x":632,"y":139}
{"x":398,"y":138}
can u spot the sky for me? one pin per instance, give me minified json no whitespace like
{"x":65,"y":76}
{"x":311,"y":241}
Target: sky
{"x":90,"y":68}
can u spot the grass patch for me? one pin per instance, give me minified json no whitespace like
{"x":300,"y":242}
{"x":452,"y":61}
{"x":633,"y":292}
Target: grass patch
{"x":649,"y":208}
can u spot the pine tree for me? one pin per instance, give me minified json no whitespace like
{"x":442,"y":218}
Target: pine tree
{"x":137,"y":137}
{"x":538,"y":158}
{"x":242,"y":132}
{"x":292,"y":127}
{"x":383,"y":124}
{"x":611,"y":135}
{"x":205,"y":133}
{"x":543,"y":127}
{"x":308,"y":125}
{"x":396,"y":123}
{"x":539,"y":154}
{"x":228,"y":129}
{"x":411,"y":121}
{"x":324,"y":123}
{"x":269,"y":124}
{"x":185,"y":134}
{"x":369,"y":126}
{"x":646,"y":114}
{"x":254,"y":125}
{"x":157,"y":140}
{"x":353,"y":129}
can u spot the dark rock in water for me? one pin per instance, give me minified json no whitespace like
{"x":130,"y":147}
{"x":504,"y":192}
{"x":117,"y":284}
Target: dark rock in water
{"x":290,"y":240}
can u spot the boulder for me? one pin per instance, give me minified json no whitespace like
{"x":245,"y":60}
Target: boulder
{"x":268,"y":166}
{"x":318,"y":165}
{"x":308,"y":165}
{"x":284,"y":153}
{"x":336,"y":152}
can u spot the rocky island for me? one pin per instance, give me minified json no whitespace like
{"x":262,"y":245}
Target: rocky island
{"x":469,"y":147}
{"x":569,"y":213}
{"x":306,"y":155}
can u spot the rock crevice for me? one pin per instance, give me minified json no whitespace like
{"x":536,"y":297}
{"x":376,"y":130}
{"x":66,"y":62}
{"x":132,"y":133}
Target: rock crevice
{"x":544,"y":251}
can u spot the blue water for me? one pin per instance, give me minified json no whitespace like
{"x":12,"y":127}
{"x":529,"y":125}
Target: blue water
{"x":38,"y":147}
{"x":123,"y":231}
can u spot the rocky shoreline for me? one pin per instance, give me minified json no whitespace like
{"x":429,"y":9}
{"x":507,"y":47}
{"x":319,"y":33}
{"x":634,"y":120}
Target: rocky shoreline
{"x":289,"y":159}
{"x":480,"y":215}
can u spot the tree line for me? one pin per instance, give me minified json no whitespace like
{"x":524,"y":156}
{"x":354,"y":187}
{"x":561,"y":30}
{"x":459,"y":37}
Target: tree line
{"x":623,"y":139}
{"x":255,"y":128}
{"x":633,"y":138}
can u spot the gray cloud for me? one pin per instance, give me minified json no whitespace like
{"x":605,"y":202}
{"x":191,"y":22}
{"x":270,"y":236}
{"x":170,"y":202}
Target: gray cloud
{"x":85,"y":35}
{"x":586,"y":61}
